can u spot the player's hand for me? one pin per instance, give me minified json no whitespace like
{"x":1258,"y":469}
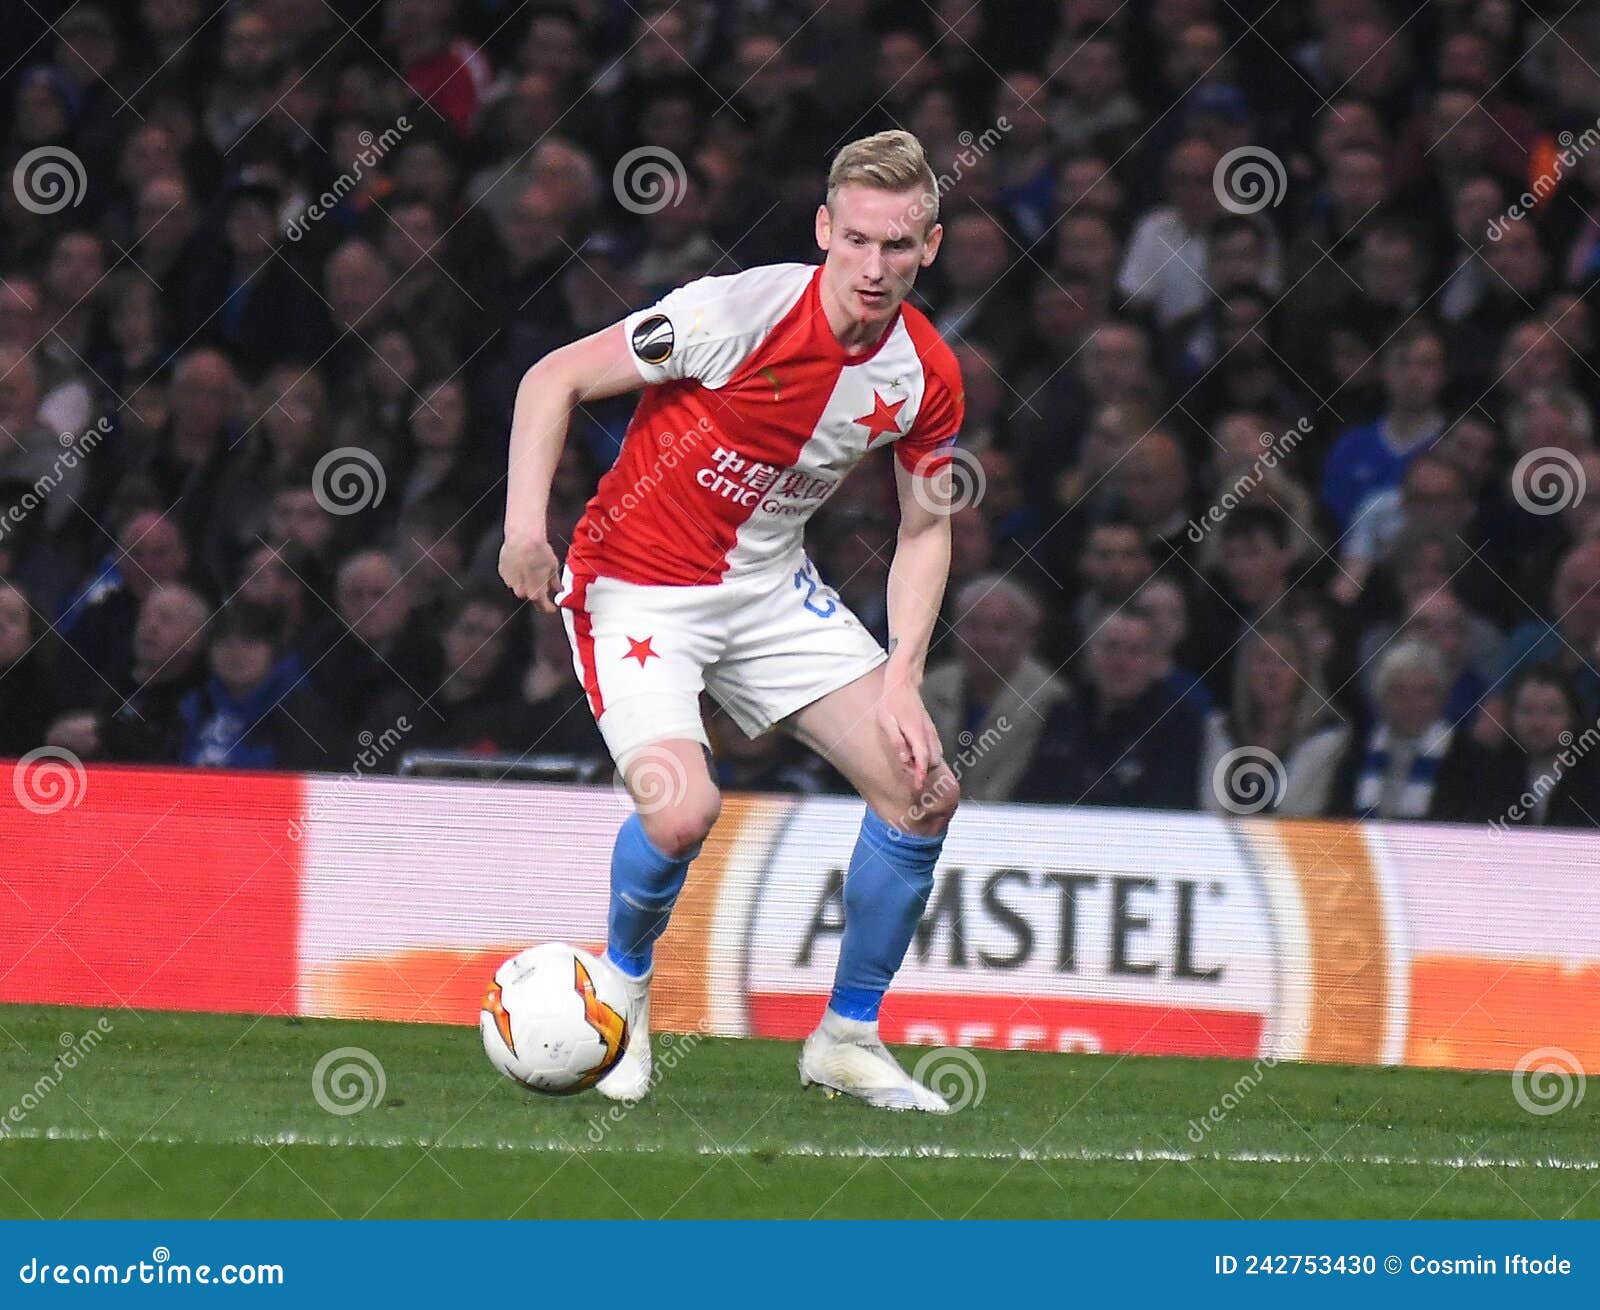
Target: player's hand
{"x":530,"y":568}
{"x":904,"y":721}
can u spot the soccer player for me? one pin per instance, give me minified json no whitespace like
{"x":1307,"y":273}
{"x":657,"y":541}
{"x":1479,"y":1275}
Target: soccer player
{"x":762,"y":390}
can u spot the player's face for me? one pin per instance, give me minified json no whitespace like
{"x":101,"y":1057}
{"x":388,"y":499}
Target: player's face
{"x":876,"y":242}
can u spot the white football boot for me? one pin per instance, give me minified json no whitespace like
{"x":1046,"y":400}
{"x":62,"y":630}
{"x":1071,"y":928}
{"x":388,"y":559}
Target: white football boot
{"x":629,"y":1080}
{"x":845,"y":1055}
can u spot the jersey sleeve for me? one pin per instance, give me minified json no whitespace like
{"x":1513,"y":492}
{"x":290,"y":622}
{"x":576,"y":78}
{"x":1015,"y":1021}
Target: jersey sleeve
{"x":706,"y":328}
{"x":925,"y":449}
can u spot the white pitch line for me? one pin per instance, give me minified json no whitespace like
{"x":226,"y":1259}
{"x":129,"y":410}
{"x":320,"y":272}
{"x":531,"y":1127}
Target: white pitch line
{"x":806,"y":1150}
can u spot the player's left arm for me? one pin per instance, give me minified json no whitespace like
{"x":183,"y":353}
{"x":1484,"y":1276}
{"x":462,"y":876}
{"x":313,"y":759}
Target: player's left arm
{"x":917,"y":579}
{"x":919,"y":572}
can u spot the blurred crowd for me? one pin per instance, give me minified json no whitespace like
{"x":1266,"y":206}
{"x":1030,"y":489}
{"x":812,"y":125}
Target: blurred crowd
{"x":1281,"y":375}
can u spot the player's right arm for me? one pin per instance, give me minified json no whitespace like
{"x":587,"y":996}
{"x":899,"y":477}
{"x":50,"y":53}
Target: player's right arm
{"x":703,"y":330}
{"x":593,"y":368}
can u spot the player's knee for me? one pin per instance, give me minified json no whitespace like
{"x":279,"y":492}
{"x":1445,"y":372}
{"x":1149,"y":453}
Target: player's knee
{"x":679,"y":829}
{"x":930,"y":813}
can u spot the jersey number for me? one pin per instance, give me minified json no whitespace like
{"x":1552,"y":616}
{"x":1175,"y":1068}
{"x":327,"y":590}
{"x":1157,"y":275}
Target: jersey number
{"x":806,"y":580}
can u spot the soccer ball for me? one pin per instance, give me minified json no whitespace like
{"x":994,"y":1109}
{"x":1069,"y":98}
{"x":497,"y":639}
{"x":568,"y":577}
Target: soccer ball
{"x":555,"y":1019}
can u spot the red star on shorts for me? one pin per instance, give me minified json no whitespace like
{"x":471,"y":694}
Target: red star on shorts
{"x":882,"y":418}
{"x":639,"y":649}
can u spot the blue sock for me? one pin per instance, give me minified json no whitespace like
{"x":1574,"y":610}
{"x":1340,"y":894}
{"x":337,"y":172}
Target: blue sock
{"x":644,"y":887}
{"x":886,"y":889}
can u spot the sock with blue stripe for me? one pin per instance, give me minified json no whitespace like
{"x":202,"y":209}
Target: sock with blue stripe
{"x":644,"y":887}
{"x":886,"y":889}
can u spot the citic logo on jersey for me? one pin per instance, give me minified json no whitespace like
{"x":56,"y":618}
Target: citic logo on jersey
{"x":744,"y":481}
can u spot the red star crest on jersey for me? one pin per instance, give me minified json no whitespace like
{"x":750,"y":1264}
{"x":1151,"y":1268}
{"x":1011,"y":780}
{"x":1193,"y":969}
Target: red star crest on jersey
{"x":882,"y":418}
{"x":639,"y":649}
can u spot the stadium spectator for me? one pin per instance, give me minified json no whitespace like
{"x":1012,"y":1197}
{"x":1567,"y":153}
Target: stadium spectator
{"x":143,"y":724}
{"x":1164,"y":270}
{"x":27,"y":687}
{"x":32,"y":452}
{"x":1567,"y":639}
{"x":1469,"y":644}
{"x":241,"y":92}
{"x":439,"y":459}
{"x":253,"y":711}
{"x":1151,"y":485}
{"x":1121,"y":739}
{"x":1374,"y":457}
{"x":1099,"y":393}
{"x":1248,"y":452}
{"x":369,"y":649}
{"x":990,"y":702}
{"x":184,"y":463}
{"x":443,"y":69}
{"x":1434,"y":495}
{"x":373,"y":407}
{"x":1275,"y":750}
{"x":553,"y":718}
{"x":289,"y":581}
{"x":1113,"y":564}
{"x":1166,"y":604}
{"x":1390,"y":770}
{"x":1255,"y":571}
{"x":1094,"y":108}
{"x":74,"y":277}
{"x":297,"y":515}
{"x":1544,"y":772}
{"x":289,"y":432}
{"x":475,"y":706}
{"x":99,"y":627}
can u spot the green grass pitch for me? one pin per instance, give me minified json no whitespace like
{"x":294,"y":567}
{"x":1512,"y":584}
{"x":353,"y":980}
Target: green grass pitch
{"x":195,"y":1116}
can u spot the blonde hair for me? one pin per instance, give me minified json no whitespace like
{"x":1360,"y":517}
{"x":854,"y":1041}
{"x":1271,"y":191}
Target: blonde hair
{"x":887,"y":161}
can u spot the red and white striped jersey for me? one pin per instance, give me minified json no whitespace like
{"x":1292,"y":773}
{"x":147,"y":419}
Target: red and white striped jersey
{"x":754,"y":416}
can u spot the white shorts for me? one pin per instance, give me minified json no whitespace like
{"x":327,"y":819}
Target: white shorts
{"x":764,"y":647}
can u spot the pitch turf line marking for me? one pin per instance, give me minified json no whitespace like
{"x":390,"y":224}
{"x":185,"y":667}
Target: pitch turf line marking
{"x":806,"y":1150}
